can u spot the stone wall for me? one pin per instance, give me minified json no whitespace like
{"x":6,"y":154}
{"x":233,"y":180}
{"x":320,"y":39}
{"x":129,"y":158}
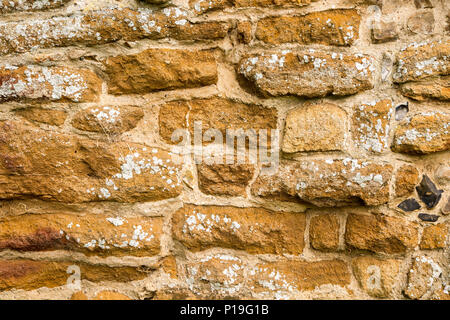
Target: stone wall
{"x":98,"y":201}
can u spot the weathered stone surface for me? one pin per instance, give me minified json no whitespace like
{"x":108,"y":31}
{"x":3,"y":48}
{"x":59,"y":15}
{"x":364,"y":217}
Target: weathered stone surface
{"x":371,"y":125}
{"x":406,"y":178}
{"x":384,"y":31}
{"x":434,"y":237}
{"x":96,"y":27}
{"x":421,"y":277}
{"x":328,"y":183}
{"x":110,"y":295}
{"x":214,"y":113}
{"x":423,"y":133}
{"x":108,"y":119}
{"x":418,"y":61}
{"x":226,"y":276}
{"x":60,"y":167}
{"x":160,"y":69}
{"x":279,"y":279}
{"x":217,"y":276}
{"x":244,"y":31}
{"x":93,"y":234}
{"x":331,"y":27}
{"x":48,"y":116}
{"x":428,"y":192}
{"x":79,"y":295}
{"x":310,"y":73}
{"x":421,"y":22}
{"x":377,"y":277}
{"x":438,"y":89}
{"x":380,"y":234}
{"x":30,"y":275}
{"x":224,"y":179}
{"x":321,"y":127}
{"x":254,"y":230}
{"x":7,"y":6}
{"x":409,"y":205}
{"x":48,"y":83}
{"x":324,"y":232}
{"x":201,"y":6}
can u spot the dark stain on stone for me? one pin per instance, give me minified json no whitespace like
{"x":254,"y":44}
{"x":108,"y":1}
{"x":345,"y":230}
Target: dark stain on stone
{"x":428,"y":192}
{"x":409,"y":205}
{"x":428,"y":217}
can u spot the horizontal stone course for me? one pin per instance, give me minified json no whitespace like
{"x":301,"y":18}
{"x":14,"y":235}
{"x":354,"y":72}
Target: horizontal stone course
{"x":89,"y":233}
{"x":254,"y":230}
{"x":329,"y":183}
{"x":310,"y":73}
{"x":160,"y":69}
{"x":108,"y":25}
{"x":30,"y":274}
{"x":331,"y":27}
{"x":61,"y":167}
{"x":31,"y":82}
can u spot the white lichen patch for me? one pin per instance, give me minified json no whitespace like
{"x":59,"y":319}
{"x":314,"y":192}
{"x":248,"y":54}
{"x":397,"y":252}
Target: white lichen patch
{"x":425,"y":128}
{"x":371,"y":126}
{"x":106,"y":114}
{"x":34,"y":82}
{"x":199,"y":222}
{"x":106,"y":25}
{"x":141,"y":162}
{"x":123,"y":233}
{"x":310,"y":73}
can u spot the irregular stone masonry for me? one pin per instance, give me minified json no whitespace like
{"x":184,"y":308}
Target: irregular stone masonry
{"x":339,"y":108}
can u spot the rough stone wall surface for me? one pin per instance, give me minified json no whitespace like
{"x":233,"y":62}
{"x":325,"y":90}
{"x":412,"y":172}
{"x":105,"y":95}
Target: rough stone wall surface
{"x":98,"y":202}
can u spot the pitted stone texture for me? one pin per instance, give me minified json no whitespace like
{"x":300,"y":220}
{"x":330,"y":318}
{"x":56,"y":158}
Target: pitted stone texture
{"x":48,"y":83}
{"x":324,"y":232}
{"x":435,"y":89}
{"x":89,"y":233}
{"x":105,"y":26}
{"x":311,"y":73}
{"x":321,"y":127}
{"x":202,"y":6}
{"x":108,"y":119}
{"x":214,"y":113}
{"x":29,"y":274}
{"x":254,"y":230}
{"x":7,"y":6}
{"x":376,"y":276}
{"x":421,"y":60}
{"x":48,"y":116}
{"x":423,"y":133}
{"x":160,"y":69}
{"x":60,"y":167}
{"x":422,"y":276}
{"x":434,"y":237}
{"x":224,"y":179}
{"x":381,"y":234}
{"x":338,"y":27}
{"x":329,"y":183}
{"x":371,"y":125}
{"x":406,"y":178}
